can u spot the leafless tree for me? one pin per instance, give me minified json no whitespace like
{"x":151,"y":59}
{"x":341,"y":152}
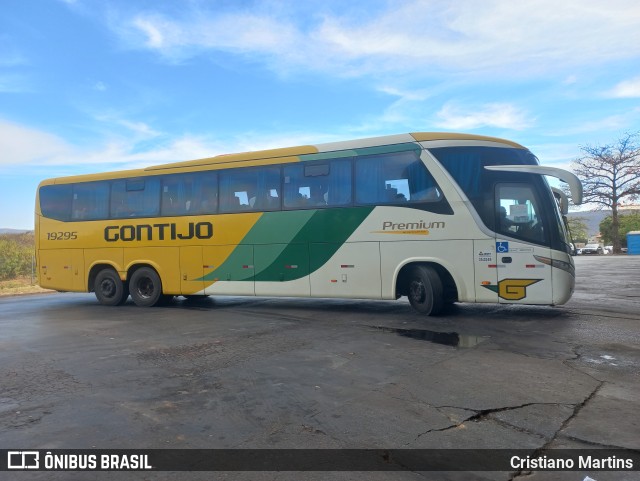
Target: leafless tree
{"x":609,"y":175}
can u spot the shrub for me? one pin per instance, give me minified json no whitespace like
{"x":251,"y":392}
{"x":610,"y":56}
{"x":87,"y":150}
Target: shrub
{"x":16,"y":252}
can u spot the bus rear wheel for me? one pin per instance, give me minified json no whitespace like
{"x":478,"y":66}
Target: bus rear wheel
{"x":425,"y":291}
{"x":145,"y":287}
{"x":109,"y":289}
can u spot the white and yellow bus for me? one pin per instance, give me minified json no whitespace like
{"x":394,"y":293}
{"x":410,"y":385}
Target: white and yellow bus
{"x":436,"y":217}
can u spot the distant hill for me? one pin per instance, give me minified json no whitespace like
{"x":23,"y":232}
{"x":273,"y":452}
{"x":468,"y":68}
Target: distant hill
{"x":4,"y":230}
{"x":592,"y":219}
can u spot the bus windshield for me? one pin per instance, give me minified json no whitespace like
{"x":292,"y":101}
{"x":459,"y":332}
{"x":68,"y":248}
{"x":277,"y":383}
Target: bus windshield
{"x":511,"y":204}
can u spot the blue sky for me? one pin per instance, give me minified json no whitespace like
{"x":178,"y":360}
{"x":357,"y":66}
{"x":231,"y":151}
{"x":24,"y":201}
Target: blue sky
{"x":90,"y":85}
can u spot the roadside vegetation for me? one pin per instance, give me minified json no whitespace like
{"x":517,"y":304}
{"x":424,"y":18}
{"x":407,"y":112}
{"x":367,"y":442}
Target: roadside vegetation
{"x":627,"y":222}
{"x":578,"y":229}
{"x":16,"y":254}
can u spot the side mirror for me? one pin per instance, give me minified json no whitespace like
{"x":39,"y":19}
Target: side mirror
{"x":562,"y":199}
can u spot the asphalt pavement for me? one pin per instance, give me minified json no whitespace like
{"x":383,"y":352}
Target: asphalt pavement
{"x":234,"y":372}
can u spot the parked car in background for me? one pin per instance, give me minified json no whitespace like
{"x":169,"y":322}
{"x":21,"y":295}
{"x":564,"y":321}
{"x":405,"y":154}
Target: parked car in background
{"x":579,"y":251}
{"x":608,"y":249}
{"x":592,"y":249}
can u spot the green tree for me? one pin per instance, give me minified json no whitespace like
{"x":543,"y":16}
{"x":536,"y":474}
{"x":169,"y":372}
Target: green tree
{"x":626,"y":223}
{"x":578,"y":228}
{"x":609,"y":175}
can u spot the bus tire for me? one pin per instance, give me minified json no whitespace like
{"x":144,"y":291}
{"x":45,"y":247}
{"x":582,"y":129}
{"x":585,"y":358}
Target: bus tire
{"x":109,"y":289}
{"x":425,"y":291}
{"x":145,"y":287}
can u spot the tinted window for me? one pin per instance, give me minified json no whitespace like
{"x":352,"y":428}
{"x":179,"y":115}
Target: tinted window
{"x":90,"y":201}
{"x":518,"y":213}
{"x":189,"y":194}
{"x":55,"y":201}
{"x":317,"y":184}
{"x":244,"y":190}
{"x":466,"y":166}
{"x":135,"y":197}
{"x":395,"y":178}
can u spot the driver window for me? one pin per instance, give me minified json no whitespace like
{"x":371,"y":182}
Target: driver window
{"x":517,"y":213}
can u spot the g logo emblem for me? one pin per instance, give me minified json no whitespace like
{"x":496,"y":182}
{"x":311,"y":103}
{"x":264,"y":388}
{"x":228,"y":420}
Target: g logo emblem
{"x":512,"y":289}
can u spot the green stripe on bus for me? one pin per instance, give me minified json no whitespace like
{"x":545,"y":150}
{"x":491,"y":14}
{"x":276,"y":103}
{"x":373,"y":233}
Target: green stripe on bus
{"x":382,"y":149}
{"x":388,"y":149}
{"x":272,"y":228}
{"x":281,"y":244}
{"x":334,"y":225}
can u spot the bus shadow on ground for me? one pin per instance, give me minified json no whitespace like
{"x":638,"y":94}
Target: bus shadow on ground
{"x":399,"y":308}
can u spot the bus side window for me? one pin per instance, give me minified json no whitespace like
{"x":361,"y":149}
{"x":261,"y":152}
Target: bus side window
{"x":394,"y":178}
{"x":517,"y":212}
{"x":169,"y":201}
{"x":90,"y":201}
{"x":135,"y":197}
{"x":253,"y":189}
{"x":207,"y":193}
{"x":189,"y":194}
{"x":55,"y":201}
{"x":317,"y":184}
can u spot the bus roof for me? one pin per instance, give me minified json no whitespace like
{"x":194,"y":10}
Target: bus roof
{"x":333,"y":146}
{"x":283,"y":155}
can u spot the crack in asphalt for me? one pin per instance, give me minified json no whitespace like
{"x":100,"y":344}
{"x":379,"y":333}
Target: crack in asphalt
{"x":576,"y":410}
{"x":577,"y":357}
{"x":482,"y":414}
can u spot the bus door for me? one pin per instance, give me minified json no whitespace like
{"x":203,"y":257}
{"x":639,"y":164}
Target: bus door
{"x":521,"y":234}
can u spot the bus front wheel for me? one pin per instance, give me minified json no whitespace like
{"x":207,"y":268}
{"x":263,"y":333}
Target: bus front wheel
{"x":145,"y":287}
{"x":425,"y":291}
{"x":109,"y":289}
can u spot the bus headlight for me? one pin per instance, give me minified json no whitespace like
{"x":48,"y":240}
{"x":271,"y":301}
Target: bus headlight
{"x":565,"y":266}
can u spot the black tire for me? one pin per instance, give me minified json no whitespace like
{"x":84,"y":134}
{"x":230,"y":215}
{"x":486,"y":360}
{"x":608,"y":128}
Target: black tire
{"x":425,"y":291}
{"x":109,"y":289}
{"x":145,"y":287}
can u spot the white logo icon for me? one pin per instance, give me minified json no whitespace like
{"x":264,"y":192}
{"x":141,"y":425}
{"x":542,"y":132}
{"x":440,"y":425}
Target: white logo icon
{"x":23,"y":460}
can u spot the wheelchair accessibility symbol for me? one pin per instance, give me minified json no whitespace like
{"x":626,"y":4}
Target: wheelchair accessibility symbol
{"x":502,"y":247}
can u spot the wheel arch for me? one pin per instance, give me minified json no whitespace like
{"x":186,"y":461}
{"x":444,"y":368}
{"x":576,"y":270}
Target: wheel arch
{"x":451,"y":288}
{"x":98,"y":266}
{"x":134,"y":266}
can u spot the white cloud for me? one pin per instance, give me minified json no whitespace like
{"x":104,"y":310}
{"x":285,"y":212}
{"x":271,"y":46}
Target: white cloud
{"x":500,"y":115}
{"x":238,"y":33}
{"x":606,"y":124}
{"x":134,"y":130}
{"x":140,"y":128}
{"x":627,"y":89}
{"x":514,"y":38}
{"x":24,"y":147}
